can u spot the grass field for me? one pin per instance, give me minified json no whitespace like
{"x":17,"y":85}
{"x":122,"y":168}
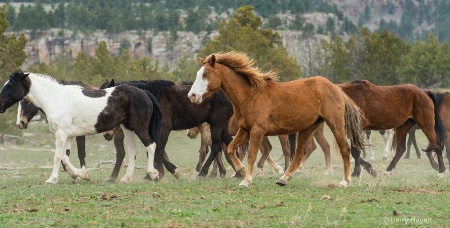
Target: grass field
{"x":413,"y":196}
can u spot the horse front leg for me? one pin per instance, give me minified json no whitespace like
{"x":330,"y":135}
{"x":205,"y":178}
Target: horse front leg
{"x":256,"y":138}
{"x":61,"y":144}
{"x":120,"y":152}
{"x":81,"y":147}
{"x":241,"y":137}
{"x":216,"y":132}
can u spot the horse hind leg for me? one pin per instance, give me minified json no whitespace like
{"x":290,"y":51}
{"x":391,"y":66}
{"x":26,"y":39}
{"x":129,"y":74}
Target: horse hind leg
{"x":400,"y":139}
{"x":302,"y":141}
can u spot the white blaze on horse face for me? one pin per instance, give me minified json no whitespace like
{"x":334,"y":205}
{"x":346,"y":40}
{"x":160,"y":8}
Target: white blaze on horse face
{"x":199,"y":87}
{"x":19,"y":110}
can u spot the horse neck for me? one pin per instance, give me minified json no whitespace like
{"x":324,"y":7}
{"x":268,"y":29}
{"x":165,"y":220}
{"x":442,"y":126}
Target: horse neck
{"x":235,"y":87}
{"x":42,"y":92}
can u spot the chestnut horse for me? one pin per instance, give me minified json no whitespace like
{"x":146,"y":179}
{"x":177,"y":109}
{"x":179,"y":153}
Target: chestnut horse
{"x":398,"y":107}
{"x":265,"y":107}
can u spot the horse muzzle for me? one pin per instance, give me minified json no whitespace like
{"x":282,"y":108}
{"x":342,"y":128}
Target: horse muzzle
{"x":22,"y":125}
{"x":195,"y":98}
{"x":108,"y":136}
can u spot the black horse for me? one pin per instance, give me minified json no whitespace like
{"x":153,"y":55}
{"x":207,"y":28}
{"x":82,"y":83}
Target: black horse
{"x":179,"y":113}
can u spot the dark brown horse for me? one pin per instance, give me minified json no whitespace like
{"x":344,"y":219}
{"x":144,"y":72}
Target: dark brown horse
{"x":205,"y":143}
{"x":179,"y":113}
{"x":398,"y":107}
{"x":265,"y":107}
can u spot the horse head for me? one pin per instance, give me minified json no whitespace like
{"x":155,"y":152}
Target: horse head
{"x":26,"y":112}
{"x":206,"y":80}
{"x":108,"y":84}
{"x":193,"y":132}
{"x":14,"y":90}
{"x":109,"y":135}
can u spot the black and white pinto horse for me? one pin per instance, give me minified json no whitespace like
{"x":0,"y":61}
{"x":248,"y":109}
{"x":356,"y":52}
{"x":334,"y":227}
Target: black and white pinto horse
{"x":72,"y":111}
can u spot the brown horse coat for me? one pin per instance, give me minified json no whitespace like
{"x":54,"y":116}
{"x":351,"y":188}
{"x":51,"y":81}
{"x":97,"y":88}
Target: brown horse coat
{"x":265,"y":107}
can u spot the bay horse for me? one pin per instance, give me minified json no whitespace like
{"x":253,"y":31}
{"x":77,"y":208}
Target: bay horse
{"x":178,"y":113}
{"x":398,"y":107}
{"x":265,"y":107}
{"x":72,"y":111}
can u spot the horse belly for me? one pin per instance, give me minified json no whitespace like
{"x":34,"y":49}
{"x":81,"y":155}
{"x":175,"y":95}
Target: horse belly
{"x":289,"y":124}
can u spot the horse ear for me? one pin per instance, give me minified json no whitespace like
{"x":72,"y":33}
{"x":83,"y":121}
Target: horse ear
{"x":213,"y":60}
{"x":111,"y":83}
{"x":23,"y":76}
{"x":202,"y":60}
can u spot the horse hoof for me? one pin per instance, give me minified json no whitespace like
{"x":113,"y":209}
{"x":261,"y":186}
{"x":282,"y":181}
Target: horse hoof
{"x":154,"y":176}
{"x":406,"y":158}
{"x":343,"y":183}
{"x":52,"y":180}
{"x":328,"y":172}
{"x":440,"y":175}
{"x":147,"y":177}
{"x":356,"y":174}
{"x":373,"y":172}
{"x":194,"y":175}
{"x":177,"y":174}
{"x":87,"y":177}
{"x":111,"y":180}
{"x":244,"y":184}
{"x":387,"y":173}
{"x":281,"y":182}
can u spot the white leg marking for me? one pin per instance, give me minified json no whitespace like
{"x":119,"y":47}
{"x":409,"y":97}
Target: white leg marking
{"x":131,"y":149}
{"x":152,"y":172}
{"x":344,"y":183}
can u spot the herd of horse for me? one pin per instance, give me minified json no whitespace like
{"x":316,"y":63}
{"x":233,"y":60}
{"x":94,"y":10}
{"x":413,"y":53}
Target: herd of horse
{"x":231,"y":97}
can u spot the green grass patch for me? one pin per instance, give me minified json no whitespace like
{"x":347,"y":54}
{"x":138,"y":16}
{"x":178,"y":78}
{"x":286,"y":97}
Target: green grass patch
{"x":413,"y":196}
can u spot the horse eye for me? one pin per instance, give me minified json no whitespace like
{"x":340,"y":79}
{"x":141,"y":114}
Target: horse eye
{"x":205,"y":74}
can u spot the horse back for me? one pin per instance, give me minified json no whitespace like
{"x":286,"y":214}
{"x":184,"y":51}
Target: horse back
{"x":293,"y":105}
{"x":183,"y":114}
{"x":386,"y":107}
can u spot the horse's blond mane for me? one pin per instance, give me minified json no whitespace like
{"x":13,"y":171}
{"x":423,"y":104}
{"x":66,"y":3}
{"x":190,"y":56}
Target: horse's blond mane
{"x":243,"y":65}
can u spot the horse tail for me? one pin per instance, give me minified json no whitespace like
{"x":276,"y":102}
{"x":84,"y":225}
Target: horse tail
{"x":353,"y":122}
{"x":154,"y":130}
{"x":441,"y":133}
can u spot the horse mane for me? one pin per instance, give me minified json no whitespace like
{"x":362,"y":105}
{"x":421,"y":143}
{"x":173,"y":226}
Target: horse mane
{"x":156,"y":87}
{"x":243,"y":65}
